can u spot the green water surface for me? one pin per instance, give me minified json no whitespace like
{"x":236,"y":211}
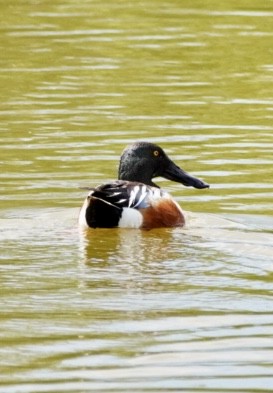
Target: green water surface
{"x":166,"y":310}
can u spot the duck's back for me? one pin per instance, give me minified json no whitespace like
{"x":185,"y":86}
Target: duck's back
{"x":130,"y":205}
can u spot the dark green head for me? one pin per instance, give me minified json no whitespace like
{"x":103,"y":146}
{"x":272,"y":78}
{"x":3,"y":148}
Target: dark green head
{"x":143,"y":161}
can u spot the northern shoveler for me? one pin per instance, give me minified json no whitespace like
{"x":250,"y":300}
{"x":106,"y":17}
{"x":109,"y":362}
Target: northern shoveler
{"x":134,"y":201}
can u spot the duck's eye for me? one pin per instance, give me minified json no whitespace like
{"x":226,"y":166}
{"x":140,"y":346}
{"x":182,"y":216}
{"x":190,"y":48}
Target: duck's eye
{"x":156,"y":153}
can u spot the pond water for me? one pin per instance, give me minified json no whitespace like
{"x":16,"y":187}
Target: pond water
{"x":165,"y":310}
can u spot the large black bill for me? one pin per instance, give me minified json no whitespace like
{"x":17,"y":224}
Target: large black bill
{"x":174,"y":173}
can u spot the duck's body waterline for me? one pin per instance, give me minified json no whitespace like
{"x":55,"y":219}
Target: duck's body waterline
{"x":134,"y":201}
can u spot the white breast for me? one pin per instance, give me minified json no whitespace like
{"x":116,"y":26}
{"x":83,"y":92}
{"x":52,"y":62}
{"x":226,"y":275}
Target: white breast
{"x":82,"y":218}
{"x":130,"y":218}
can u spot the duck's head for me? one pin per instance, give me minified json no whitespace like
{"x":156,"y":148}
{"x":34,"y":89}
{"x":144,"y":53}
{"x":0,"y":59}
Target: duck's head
{"x":143,"y":161}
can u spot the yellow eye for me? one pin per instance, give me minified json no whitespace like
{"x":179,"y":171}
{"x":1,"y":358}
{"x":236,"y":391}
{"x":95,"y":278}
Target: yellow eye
{"x":156,"y":153}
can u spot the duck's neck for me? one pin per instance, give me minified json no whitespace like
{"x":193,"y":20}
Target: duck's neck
{"x":135,"y":174}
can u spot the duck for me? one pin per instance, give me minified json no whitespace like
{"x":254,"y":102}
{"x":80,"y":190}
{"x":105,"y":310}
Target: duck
{"x":134,"y":200}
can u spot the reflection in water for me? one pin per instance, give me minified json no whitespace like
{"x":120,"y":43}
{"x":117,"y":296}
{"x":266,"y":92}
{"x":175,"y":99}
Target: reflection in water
{"x":137,"y":247}
{"x":124,"y":245}
{"x":191,"y":266}
{"x":127,"y":258}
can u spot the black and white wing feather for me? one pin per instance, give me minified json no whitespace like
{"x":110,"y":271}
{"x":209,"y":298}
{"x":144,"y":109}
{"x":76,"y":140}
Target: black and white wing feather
{"x":127,"y":194}
{"x":106,"y":204}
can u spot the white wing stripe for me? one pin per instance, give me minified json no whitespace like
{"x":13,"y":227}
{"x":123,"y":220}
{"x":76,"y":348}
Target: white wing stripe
{"x":142,"y":195}
{"x":157,"y":193}
{"x":121,"y":200}
{"x":133,"y":195}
